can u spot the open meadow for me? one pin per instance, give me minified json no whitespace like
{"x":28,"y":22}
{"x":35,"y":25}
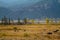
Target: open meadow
{"x":29,"y":32}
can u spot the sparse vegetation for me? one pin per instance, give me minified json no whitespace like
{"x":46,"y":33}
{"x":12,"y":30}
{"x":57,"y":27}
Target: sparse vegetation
{"x":48,"y":36}
{"x":18,"y":21}
{"x":15,"y":29}
{"x":47,"y":21}
{"x":30,"y":32}
{"x":24,"y":30}
{"x":3,"y":34}
{"x":8,"y":21}
{"x":26,"y":35}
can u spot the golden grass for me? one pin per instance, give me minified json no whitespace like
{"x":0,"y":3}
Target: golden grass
{"x":30,"y":32}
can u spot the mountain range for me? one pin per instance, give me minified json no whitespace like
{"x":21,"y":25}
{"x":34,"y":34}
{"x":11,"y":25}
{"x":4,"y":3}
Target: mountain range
{"x":41,"y":9}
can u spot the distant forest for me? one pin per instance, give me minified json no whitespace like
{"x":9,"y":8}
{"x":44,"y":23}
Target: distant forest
{"x":9,"y":21}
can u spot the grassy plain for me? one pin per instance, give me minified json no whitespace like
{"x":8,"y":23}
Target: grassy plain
{"x":30,"y":32}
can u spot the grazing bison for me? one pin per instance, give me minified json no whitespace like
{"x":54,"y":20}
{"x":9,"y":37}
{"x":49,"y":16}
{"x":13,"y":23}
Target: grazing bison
{"x":56,"y":30}
{"x":49,"y":33}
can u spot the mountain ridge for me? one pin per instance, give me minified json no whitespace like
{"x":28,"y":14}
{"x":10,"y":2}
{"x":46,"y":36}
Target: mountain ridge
{"x":45,"y":8}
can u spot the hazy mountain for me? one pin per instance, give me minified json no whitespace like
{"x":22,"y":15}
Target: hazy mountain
{"x":4,"y":11}
{"x":44,"y":8}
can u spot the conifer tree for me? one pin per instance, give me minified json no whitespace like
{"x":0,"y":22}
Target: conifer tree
{"x":51,"y":21}
{"x":5,"y":20}
{"x":18,"y":20}
{"x":32,"y":21}
{"x":2,"y":21}
{"x":25,"y":20}
{"x":9,"y":21}
{"x":12,"y":21}
{"x":47,"y":21}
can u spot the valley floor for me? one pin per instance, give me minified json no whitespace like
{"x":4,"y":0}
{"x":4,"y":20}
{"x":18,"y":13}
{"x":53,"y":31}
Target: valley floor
{"x":29,"y":32}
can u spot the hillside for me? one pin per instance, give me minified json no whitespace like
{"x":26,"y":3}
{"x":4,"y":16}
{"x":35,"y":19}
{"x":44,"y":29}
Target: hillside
{"x":44,"y":8}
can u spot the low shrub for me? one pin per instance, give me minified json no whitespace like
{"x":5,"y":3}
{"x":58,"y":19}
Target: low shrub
{"x":26,"y":35}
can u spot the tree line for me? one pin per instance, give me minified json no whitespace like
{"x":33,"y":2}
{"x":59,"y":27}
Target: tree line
{"x":9,"y":21}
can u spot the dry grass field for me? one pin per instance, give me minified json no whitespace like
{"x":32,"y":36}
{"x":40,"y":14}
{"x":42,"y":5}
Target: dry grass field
{"x":29,"y":32}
